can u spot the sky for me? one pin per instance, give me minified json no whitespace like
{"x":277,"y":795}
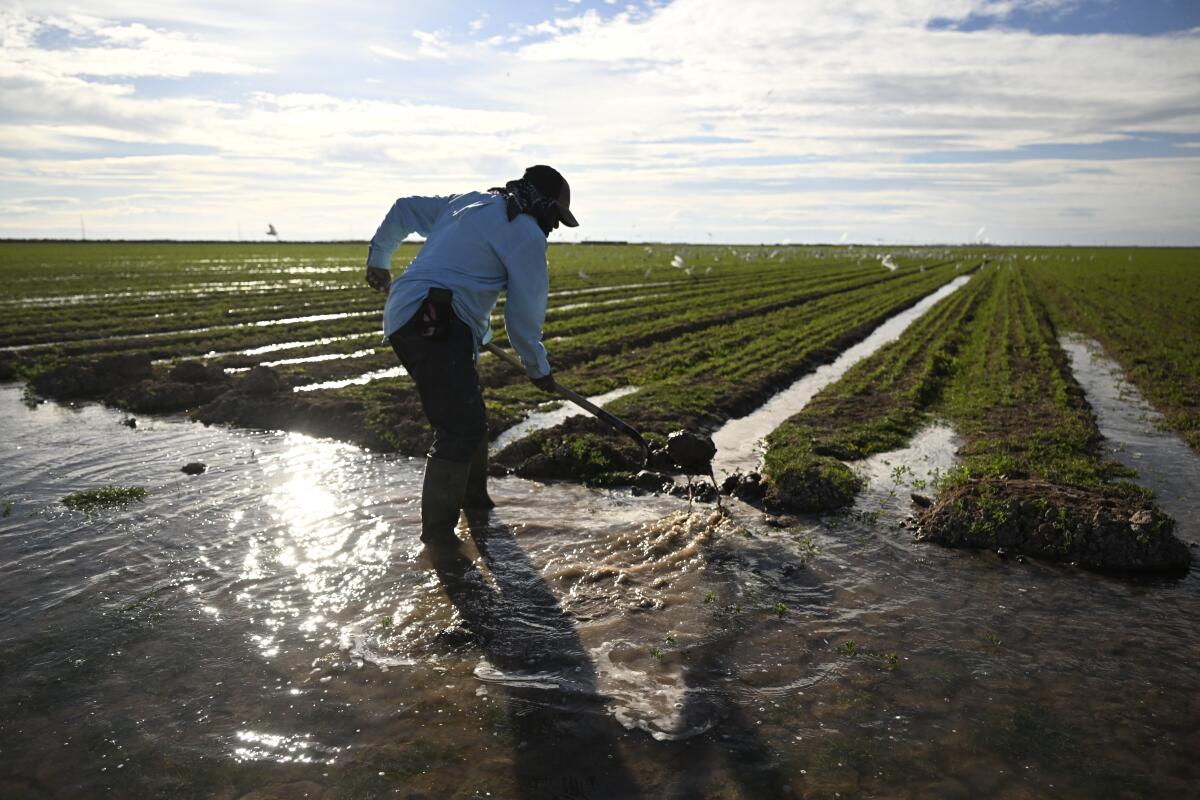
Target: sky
{"x":738,"y":121}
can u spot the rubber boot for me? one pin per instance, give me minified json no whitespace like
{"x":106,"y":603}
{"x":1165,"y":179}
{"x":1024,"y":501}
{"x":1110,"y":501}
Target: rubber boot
{"x":442,"y":499}
{"x":477,"y":495}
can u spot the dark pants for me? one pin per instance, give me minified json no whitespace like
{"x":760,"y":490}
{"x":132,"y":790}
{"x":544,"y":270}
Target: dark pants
{"x":448,"y":383}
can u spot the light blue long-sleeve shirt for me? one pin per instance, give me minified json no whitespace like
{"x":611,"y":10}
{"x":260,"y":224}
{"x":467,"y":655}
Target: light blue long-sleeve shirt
{"x":473,"y":250}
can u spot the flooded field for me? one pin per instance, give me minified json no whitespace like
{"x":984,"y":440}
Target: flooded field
{"x":271,"y":629}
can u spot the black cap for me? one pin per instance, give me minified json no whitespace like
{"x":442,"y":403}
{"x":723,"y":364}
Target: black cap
{"x":553,"y":185}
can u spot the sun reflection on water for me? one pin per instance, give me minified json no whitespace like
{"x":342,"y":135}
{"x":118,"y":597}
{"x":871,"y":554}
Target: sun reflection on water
{"x":320,"y":560}
{"x":297,"y":749}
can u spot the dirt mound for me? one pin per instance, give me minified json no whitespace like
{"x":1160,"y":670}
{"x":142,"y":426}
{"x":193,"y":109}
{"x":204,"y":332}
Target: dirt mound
{"x":1105,"y":530}
{"x":581,"y":448}
{"x":317,"y":414}
{"x":153,"y":396}
{"x":92,"y":379}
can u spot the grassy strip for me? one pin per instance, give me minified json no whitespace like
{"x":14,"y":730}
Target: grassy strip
{"x":987,"y":359}
{"x":104,"y":497}
{"x":876,"y":406}
{"x":1144,"y":309}
{"x":699,"y":379}
{"x":704,"y":377}
{"x":1013,"y":399}
{"x":1033,"y":477}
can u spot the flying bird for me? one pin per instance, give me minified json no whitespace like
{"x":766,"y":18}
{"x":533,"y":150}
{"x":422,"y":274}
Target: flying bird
{"x":271,"y":231}
{"x":887,"y":262}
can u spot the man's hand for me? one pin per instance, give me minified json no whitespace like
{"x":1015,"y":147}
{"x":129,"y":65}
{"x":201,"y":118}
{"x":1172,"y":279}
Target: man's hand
{"x":379,"y":278}
{"x":545,"y":383}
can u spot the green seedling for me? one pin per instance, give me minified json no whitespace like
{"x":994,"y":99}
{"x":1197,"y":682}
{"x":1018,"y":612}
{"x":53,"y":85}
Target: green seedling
{"x":104,"y":497}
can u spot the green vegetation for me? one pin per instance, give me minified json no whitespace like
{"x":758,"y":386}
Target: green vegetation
{"x":1143,"y":307}
{"x":104,"y":497}
{"x":987,"y":359}
{"x":702,"y":344}
{"x":1012,"y":397}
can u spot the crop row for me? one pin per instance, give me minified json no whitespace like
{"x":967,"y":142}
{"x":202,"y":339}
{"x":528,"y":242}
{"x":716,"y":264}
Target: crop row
{"x":1144,"y":309}
{"x":879,"y":403}
{"x":705,"y":375}
{"x":654,"y":316}
{"x":987,"y":359}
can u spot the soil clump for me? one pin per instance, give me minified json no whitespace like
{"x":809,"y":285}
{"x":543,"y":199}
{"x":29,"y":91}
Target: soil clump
{"x":1107,"y":530}
{"x":581,"y":448}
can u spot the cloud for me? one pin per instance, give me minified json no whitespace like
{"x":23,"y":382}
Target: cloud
{"x":90,"y":46}
{"x":433,"y":44}
{"x":761,"y":122}
{"x":388,"y":52}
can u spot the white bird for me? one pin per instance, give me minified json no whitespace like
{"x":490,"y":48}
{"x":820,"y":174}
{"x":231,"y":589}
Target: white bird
{"x":677,"y":260}
{"x":648,"y":271}
{"x":583,"y":275}
{"x":887,"y":262}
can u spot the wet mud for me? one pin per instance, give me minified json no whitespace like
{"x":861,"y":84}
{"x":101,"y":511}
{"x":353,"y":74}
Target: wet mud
{"x":1103,"y":530}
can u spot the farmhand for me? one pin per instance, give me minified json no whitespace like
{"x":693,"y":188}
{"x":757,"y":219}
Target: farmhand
{"x":438,"y":316}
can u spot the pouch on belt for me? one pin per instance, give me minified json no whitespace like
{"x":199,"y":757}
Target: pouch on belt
{"x":436,"y":314}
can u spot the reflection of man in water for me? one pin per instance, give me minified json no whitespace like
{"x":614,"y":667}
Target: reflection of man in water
{"x":438,"y":311}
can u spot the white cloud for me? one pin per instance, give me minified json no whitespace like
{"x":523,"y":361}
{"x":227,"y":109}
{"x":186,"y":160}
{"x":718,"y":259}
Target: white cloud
{"x":388,"y":52}
{"x":760,"y":121}
{"x":96,"y":48}
{"x":433,"y":44}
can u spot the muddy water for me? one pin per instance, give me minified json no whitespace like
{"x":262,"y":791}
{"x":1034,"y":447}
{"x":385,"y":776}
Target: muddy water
{"x":739,"y":441}
{"x":273,"y":626}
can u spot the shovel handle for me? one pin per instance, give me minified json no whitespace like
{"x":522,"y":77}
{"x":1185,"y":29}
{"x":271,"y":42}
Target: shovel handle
{"x":579,"y":400}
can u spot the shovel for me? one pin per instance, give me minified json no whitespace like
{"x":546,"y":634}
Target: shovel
{"x":581,"y":401}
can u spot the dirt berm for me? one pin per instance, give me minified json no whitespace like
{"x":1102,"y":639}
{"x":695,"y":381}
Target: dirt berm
{"x":1101,"y":529}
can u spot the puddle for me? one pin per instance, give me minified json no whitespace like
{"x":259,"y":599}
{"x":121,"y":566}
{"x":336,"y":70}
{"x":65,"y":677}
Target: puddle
{"x":193,"y":291}
{"x":739,"y":441}
{"x":540,"y":420}
{"x":893,"y":476}
{"x":305,"y":360}
{"x":358,"y":380}
{"x":265,"y":323}
{"x":600,"y":303}
{"x":1134,"y":435}
{"x":304,"y":343}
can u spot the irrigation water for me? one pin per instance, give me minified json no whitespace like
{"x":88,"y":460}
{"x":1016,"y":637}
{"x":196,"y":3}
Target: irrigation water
{"x":739,"y":441}
{"x":272,"y":628}
{"x":1135,"y":436}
